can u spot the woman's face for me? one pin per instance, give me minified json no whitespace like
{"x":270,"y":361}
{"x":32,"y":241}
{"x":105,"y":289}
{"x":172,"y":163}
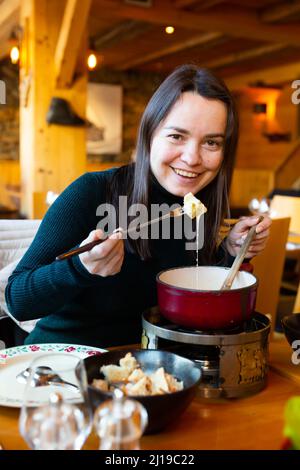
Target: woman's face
{"x":187,"y":147}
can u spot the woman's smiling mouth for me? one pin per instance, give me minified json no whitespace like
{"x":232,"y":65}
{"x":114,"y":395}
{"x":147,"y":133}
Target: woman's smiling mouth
{"x":186,"y":174}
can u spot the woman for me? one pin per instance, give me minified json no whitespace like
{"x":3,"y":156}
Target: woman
{"x":186,"y":143}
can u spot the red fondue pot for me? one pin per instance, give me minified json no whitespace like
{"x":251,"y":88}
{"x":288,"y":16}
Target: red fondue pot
{"x":191,"y":297}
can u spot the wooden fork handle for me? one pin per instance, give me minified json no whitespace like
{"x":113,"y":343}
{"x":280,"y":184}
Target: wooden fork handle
{"x":81,"y":249}
{"x":240,"y":256}
{"x":88,"y":246}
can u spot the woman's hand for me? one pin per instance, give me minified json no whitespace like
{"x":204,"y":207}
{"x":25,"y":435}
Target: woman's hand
{"x":105,"y":259}
{"x":239,"y":232}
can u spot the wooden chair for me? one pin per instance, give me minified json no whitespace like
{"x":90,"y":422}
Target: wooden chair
{"x":268,"y":267}
{"x":226,"y":227}
{"x":297,"y":301}
{"x":15,"y":238}
{"x":287,"y":206}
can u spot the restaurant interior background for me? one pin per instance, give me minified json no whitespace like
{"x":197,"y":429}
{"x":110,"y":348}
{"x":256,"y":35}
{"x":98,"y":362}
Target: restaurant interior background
{"x":254,"y":45}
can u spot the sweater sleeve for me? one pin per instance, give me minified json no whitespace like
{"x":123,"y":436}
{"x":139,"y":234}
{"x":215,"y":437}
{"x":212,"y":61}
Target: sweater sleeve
{"x":224,"y":258}
{"x":41,"y":285}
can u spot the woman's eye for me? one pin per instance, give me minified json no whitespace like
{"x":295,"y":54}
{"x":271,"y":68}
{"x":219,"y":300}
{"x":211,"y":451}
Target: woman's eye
{"x":214,"y":144}
{"x":175,"y":136}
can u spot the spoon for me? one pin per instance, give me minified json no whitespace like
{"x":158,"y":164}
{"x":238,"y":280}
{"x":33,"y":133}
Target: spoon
{"x":44,"y":376}
{"x":240,"y":257}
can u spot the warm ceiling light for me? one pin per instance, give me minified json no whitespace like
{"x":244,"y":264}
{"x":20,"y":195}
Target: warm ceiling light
{"x":92,"y":61}
{"x":14,"y":55}
{"x":169,"y":29}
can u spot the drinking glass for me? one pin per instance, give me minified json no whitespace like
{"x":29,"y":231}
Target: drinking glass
{"x":259,"y":206}
{"x":56,"y":412}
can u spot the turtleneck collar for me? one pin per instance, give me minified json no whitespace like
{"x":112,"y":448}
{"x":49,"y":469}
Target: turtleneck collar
{"x":160,"y":195}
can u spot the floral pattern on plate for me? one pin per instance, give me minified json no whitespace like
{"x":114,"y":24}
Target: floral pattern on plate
{"x":67,"y":348}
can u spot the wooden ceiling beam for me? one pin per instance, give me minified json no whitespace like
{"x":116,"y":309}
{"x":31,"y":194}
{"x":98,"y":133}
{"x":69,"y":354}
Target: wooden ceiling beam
{"x":231,"y":59}
{"x":8,"y":9}
{"x":271,"y":75}
{"x":280,"y":12}
{"x":69,"y":40}
{"x":202,"y":39}
{"x":123,"y":32}
{"x":9,"y":17}
{"x":200,"y":5}
{"x":235,"y":22}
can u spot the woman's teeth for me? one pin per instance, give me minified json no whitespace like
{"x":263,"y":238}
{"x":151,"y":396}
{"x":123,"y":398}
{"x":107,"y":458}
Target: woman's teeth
{"x":187,"y":174}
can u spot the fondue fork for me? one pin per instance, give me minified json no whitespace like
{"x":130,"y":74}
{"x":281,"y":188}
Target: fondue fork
{"x":88,"y":246}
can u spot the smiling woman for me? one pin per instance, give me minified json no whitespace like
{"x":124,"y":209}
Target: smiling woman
{"x":188,"y":159}
{"x":186,"y":144}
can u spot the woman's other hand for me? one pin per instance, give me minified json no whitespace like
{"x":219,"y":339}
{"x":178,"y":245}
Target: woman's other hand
{"x":105,"y":259}
{"x":239,"y":232}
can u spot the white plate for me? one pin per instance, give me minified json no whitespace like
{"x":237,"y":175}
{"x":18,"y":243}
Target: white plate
{"x":15,"y":360}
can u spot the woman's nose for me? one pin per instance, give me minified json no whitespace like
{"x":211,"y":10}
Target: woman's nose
{"x":191,"y":156}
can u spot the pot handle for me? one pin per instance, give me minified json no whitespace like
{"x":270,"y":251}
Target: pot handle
{"x":246,"y":267}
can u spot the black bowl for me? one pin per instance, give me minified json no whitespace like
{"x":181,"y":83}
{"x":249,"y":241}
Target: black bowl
{"x":162,"y":409}
{"x":291,"y":327}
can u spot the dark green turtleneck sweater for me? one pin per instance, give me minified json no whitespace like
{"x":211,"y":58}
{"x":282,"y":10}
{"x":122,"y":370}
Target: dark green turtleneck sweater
{"x":74,"y":305}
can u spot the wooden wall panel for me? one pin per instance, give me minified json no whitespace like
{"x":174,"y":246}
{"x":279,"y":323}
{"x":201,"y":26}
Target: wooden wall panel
{"x":248,"y":184}
{"x":257,"y":157}
{"x":51,"y":156}
{"x":10,"y":183}
{"x":255,"y":150}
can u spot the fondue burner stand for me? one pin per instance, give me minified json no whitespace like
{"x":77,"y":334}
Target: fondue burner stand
{"x":233,"y":362}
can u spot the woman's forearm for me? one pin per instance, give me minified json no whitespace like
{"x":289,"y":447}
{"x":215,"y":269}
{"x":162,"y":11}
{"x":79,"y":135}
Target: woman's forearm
{"x":40,"y":285}
{"x":35,"y":293}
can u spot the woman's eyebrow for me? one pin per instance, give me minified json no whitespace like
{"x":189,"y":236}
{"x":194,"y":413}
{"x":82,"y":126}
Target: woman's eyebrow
{"x":177,"y":129}
{"x":185,"y":131}
{"x":215,"y":135}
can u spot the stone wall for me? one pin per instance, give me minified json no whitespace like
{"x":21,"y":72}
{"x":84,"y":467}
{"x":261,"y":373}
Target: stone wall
{"x":137,"y":89}
{"x":9,"y":113}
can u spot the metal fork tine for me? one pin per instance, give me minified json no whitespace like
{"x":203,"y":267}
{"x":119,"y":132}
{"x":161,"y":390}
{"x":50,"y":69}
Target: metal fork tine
{"x":176,"y":213}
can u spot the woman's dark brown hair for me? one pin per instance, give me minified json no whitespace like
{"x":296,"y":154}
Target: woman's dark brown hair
{"x":134,"y":180}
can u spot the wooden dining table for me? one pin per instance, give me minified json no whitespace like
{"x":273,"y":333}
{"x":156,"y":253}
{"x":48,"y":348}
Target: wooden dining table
{"x":255,"y":422}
